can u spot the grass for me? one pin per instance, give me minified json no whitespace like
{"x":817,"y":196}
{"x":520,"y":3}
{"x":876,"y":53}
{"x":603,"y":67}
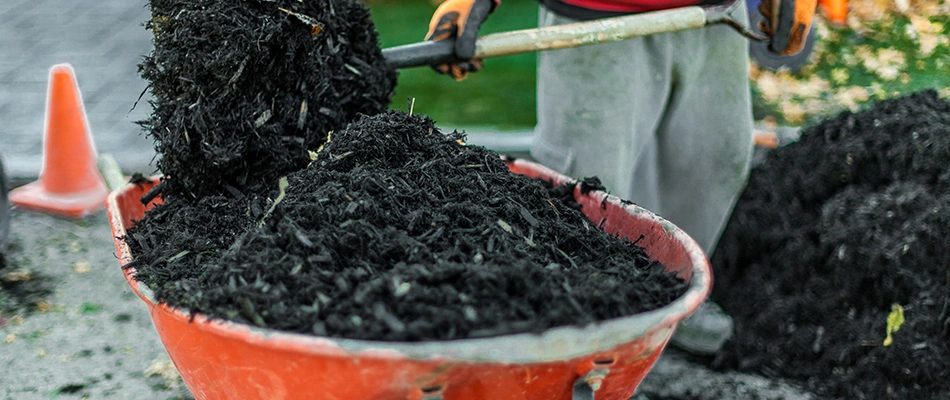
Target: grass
{"x":502,"y":95}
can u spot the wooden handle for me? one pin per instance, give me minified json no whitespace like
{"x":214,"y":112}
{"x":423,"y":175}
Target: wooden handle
{"x":551,"y":37}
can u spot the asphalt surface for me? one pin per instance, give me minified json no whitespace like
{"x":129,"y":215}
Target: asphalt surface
{"x":94,"y":338}
{"x":104,"y":41}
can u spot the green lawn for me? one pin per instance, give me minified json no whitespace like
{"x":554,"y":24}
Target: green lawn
{"x":501,"y":95}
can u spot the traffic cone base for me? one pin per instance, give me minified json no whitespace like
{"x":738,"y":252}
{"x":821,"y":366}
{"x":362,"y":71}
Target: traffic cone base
{"x":70,"y":184}
{"x":34,"y":197}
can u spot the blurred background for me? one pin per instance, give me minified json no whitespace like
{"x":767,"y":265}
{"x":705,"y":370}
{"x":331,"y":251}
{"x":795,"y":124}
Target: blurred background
{"x":873,"y":49}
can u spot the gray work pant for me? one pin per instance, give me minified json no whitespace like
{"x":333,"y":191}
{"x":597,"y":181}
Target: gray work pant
{"x":664,"y":121}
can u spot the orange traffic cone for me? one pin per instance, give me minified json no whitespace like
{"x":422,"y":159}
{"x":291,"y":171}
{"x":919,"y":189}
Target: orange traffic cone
{"x":70,"y":184}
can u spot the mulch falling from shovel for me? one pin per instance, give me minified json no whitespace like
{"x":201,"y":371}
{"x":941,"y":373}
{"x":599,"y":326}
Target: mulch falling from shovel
{"x":830,"y":233}
{"x":243,"y":89}
{"x":396,"y":231}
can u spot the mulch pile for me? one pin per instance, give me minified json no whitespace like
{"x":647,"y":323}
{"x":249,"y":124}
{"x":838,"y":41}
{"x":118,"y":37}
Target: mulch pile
{"x":397,"y":231}
{"x":831,"y":232}
{"x":242,"y":89}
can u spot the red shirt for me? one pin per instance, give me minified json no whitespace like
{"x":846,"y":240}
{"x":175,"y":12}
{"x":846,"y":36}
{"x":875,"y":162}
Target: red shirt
{"x":630,"y":6}
{"x":594,"y":9}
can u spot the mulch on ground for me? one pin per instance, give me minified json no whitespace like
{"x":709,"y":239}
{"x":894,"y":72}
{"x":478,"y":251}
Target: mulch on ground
{"x":832,"y":233}
{"x":21,"y":290}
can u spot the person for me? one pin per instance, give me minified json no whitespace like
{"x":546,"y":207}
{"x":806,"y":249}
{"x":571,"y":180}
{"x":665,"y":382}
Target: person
{"x":664,"y":121}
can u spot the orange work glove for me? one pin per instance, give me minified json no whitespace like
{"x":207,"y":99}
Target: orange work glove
{"x":786,"y":23}
{"x":460,"y":19}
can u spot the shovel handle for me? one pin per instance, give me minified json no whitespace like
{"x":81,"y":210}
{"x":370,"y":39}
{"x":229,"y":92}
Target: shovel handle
{"x":563,"y":36}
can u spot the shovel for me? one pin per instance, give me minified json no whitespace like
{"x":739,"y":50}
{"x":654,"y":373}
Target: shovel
{"x":570,"y":35}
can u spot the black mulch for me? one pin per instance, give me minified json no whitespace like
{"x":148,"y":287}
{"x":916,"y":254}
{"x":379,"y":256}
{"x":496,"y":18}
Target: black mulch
{"x":396,"y":231}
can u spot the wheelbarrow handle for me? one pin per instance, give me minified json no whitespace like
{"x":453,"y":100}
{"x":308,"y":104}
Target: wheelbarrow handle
{"x":569,"y":35}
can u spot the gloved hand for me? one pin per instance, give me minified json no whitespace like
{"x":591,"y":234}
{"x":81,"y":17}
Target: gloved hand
{"x":460,"y":19}
{"x":786,"y":23}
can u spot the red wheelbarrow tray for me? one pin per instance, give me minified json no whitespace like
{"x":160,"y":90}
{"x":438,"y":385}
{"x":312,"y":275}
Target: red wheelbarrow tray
{"x":223,"y":359}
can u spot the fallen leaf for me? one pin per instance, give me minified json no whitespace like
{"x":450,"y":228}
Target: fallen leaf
{"x":43,"y":307}
{"x":81,"y":267}
{"x":902,"y":5}
{"x":840,"y":75}
{"x":18,"y":276}
{"x":894,"y":322}
{"x":315,"y":26}
{"x":792,"y":111}
{"x":851,"y":97}
{"x":166,"y":369}
{"x":928,"y":43}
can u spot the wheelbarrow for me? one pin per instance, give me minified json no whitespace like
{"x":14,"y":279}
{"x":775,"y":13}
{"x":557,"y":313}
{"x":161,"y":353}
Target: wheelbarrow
{"x":606,"y":360}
